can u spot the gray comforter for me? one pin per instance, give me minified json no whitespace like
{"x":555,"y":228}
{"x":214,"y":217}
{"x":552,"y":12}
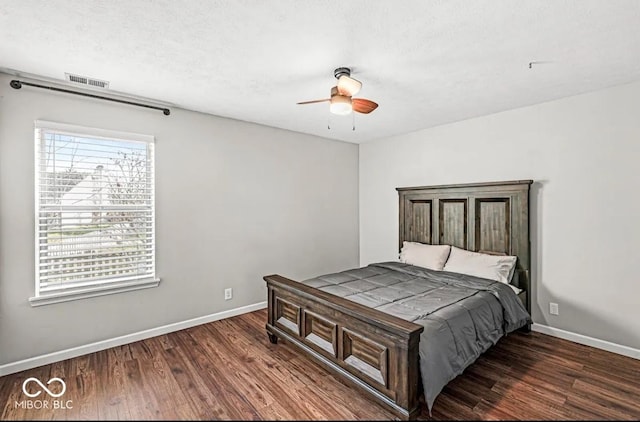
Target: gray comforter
{"x":462,"y":315}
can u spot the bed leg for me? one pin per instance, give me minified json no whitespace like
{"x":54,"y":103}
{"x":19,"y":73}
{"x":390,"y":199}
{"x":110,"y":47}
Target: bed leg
{"x":272,"y":338}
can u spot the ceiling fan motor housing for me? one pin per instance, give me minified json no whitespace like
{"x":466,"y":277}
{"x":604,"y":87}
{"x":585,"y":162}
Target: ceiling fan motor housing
{"x":342,"y":71}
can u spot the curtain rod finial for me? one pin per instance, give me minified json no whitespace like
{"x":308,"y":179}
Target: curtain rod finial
{"x":16,"y":84}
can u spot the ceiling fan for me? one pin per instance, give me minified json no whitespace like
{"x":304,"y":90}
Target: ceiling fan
{"x":342,"y":101}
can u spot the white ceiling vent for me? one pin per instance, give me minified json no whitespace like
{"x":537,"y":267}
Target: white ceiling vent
{"x":85,"y":80}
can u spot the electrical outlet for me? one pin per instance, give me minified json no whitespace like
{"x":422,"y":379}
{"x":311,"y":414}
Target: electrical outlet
{"x":553,"y":308}
{"x":228,"y":294}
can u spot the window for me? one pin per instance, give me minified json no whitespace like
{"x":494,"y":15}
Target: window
{"x":95,"y":217}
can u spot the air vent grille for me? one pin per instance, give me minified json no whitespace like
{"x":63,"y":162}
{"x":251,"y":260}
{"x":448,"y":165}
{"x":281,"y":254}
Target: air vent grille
{"x":84,"y":80}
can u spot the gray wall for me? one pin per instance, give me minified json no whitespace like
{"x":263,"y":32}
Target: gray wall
{"x":583,"y":152}
{"x":234,"y":201}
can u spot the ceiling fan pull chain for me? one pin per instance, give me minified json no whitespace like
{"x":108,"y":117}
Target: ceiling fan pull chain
{"x":353,"y":121}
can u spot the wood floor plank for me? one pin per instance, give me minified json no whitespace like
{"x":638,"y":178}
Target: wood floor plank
{"x":510,"y":386}
{"x":112,"y":388}
{"x":624,"y":403}
{"x":10,"y":393}
{"x":156,"y":375}
{"x":492,"y":411}
{"x":216,"y":377}
{"x":42,"y":373}
{"x":228,"y":370}
{"x":450,"y":408}
{"x":85,"y":386}
{"x":236,"y":373}
{"x":194,"y":385}
{"x":468,"y":392}
{"x":612,"y":380}
{"x":594,"y":409}
{"x":141,"y":403}
{"x":166,"y":341}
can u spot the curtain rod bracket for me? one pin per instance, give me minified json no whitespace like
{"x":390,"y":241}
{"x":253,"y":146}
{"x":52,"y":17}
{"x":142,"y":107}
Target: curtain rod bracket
{"x":16,"y":84}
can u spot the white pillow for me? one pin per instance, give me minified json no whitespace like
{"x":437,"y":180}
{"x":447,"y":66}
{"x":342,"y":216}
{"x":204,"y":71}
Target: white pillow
{"x":424,"y":255}
{"x":494,"y":267}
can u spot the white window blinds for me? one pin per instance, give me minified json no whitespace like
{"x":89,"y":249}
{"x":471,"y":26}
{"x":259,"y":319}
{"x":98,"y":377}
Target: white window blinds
{"x":95,"y":218}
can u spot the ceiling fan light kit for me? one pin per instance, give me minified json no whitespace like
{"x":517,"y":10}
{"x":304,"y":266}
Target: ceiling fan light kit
{"x":346,"y":84}
{"x":341,"y":101}
{"x":341,"y":105}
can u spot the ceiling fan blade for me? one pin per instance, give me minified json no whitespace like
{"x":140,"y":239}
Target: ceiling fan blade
{"x":362,"y":105}
{"x":315,"y":101}
{"x":348,"y":86}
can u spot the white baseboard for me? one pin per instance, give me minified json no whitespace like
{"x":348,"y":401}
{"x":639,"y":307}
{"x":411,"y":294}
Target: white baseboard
{"x":36,"y":361}
{"x":588,"y":341}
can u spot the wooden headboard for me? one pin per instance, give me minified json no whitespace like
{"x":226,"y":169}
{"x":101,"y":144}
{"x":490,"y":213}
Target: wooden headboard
{"x":488,"y":217}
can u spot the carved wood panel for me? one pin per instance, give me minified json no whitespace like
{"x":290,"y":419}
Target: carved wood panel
{"x":419,"y":227}
{"x":320,"y":333}
{"x":366,"y":356}
{"x":453,"y":222}
{"x":493,"y":225}
{"x":287,"y":316}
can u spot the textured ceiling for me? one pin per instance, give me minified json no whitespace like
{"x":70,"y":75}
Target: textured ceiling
{"x":425,"y":62}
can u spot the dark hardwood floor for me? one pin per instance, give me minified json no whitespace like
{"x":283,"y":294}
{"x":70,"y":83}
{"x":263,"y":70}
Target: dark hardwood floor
{"x":228,"y":370}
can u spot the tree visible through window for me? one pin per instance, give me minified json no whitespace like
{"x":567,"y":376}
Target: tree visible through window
{"x":94,"y":208}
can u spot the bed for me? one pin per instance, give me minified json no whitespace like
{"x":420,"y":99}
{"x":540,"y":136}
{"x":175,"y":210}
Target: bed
{"x":422,"y":327}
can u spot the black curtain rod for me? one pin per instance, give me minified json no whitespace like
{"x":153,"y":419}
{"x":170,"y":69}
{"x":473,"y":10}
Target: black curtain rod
{"x":18,"y":84}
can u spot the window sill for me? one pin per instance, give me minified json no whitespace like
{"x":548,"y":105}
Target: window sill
{"x":92,"y":291}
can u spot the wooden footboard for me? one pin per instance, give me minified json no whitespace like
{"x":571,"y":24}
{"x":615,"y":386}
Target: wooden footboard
{"x":374,"y":351}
